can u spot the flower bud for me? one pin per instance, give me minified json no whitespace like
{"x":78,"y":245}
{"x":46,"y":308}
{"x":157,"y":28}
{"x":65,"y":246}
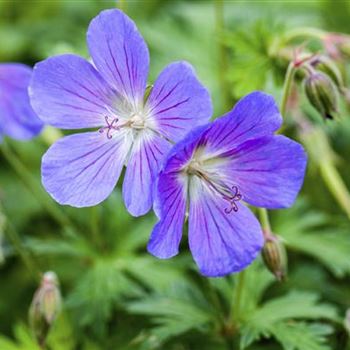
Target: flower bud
{"x":275,"y":256}
{"x":45,"y":306}
{"x":330,"y":68}
{"x":322,"y":94}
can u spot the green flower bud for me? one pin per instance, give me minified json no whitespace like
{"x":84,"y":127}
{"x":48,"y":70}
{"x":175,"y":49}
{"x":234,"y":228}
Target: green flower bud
{"x":45,"y":306}
{"x":330,"y":68}
{"x":322,"y":94}
{"x":275,"y":256}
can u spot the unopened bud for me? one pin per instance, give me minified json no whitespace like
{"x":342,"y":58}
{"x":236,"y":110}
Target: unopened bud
{"x":275,"y":256}
{"x":330,"y":68}
{"x":45,"y":306}
{"x":322,"y":94}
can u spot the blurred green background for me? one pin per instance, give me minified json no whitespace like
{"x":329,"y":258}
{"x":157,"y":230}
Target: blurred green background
{"x":116,"y":296}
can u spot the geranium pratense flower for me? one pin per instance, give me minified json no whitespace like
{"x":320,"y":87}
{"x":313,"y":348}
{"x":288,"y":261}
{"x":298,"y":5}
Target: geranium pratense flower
{"x":212,"y":171}
{"x":17,"y":118}
{"x":70,"y":93}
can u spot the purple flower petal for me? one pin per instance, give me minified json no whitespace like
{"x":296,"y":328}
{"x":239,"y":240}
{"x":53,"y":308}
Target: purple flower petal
{"x":221,"y":243}
{"x":178,"y":102}
{"x":82,"y":169}
{"x":17,"y":118}
{"x":67,"y":92}
{"x":255,"y":115}
{"x":166,"y":235}
{"x":148,"y":151}
{"x":119,"y":53}
{"x":269,"y":171}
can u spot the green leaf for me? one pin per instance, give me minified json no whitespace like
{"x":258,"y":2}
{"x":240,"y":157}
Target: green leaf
{"x":302,"y":336}
{"x":295,"y":305}
{"x":23,"y":340}
{"x":97,"y":292}
{"x":251,"y":53}
{"x":314,"y":234}
{"x":180,"y":309}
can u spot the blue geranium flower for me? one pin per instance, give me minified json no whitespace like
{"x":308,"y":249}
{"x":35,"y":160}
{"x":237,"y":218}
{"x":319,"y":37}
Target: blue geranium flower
{"x":17,"y":118}
{"x":70,"y":93}
{"x":209,"y":174}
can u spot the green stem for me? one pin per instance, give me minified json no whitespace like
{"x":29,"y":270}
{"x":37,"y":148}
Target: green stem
{"x":264,"y":219}
{"x":223,"y":59}
{"x":30,"y":182}
{"x":237,"y":299}
{"x":13,"y":237}
{"x":95,"y":222}
{"x":304,"y":32}
{"x":336,"y":185}
{"x":287,"y":87}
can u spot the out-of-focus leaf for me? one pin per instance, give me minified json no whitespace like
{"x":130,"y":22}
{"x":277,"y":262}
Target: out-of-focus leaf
{"x":302,"y":336}
{"x":300,"y":227}
{"x":23,"y":340}
{"x":97,"y":291}
{"x":61,"y":336}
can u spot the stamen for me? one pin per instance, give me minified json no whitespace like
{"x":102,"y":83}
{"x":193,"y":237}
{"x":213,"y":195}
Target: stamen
{"x":110,"y":126}
{"x":231,"y":195}
{"x":232,"y":199}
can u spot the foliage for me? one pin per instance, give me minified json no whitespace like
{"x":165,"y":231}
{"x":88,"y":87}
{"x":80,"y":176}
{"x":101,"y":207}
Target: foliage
{"x":117,"y":296}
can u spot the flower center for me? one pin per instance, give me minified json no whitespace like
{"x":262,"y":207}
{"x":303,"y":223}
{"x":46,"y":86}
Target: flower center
{"x":136,"y":122}
{"x":217,"y":185}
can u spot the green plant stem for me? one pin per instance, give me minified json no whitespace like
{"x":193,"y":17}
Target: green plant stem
{"x":303,"y":32}
{"x":13,"y":237}
{"x":336,"y":185}
{"x":30,"y":182}
{"x":237,"y":299}
{"x":287,"y":87}
{"x":264,"y":219}
{"x":95,"y":222}
{"x":223,"y":59}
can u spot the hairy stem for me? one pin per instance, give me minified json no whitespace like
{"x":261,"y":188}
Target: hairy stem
{"x":287,"y":87}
